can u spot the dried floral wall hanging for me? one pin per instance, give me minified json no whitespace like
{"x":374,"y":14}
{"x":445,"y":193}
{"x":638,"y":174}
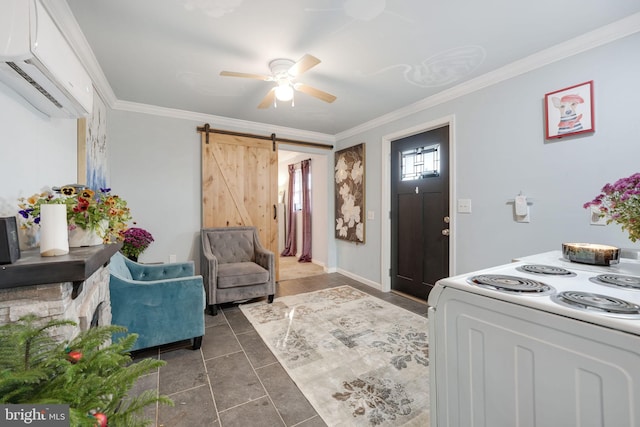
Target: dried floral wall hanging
{"x":350,"y":193}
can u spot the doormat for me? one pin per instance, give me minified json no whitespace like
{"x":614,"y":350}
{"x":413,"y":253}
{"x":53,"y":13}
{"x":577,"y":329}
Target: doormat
{"x":360,"y":361}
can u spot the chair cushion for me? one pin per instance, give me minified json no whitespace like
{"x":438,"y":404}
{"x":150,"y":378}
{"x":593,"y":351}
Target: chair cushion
{"x":118,"y":266}
{"x":232,"y":245}
{"x":232,"y":275}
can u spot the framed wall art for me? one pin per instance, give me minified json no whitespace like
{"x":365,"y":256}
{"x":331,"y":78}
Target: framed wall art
{"x":569,"y":111}
{"x":350,"y":193}
{"x":92,"y":147}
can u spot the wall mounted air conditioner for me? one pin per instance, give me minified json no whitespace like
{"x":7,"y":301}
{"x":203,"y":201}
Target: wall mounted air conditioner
{"x":39,"y":64}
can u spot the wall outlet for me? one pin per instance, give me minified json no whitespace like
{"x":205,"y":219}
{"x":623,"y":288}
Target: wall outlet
{"x":172,"y":258}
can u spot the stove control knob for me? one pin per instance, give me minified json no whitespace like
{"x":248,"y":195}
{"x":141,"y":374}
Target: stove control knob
{"x":445,"y":232}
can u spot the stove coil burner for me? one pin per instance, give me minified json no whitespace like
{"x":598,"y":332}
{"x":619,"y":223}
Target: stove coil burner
{"x":549,"y":270}
{"x":618,"y":281}
{"x":511,"y":284}
{"x":596,"y":302}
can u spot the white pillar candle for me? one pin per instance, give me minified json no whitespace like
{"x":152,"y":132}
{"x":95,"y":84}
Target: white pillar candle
{"x":54,"y":234}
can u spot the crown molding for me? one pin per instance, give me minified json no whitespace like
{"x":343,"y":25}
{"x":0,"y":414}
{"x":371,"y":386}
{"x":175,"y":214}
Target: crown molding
{"x":225,"y":122}
{"x":601,"y":36}
{"x":64,"y":18}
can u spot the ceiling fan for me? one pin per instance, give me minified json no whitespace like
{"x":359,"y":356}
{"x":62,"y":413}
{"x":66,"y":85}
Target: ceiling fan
{"x":284,"y":73}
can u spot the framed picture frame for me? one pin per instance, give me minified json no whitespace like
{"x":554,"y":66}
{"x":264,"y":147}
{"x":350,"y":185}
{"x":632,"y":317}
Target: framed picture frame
{"x":350,"y":194}
{"x":569,"y":111}
{"x":92,"y":168}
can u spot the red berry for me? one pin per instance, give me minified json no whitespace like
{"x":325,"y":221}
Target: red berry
{"x":74,"y":356}
{"x":102,"y":419}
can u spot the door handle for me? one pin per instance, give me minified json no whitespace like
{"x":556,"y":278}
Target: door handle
{"x":446,"y":232}
{"x":275,"y":212}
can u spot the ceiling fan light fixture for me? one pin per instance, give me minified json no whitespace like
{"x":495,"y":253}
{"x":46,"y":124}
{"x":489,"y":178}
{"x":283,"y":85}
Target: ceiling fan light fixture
{"x":284,"y":72}
{"x":284,"y":92}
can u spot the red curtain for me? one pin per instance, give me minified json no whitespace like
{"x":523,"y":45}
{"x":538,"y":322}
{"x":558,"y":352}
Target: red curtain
{"x":290,"y":244}
{"x":305,"y":166}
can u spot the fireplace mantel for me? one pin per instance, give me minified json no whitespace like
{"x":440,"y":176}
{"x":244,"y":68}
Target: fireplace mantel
{"x":34,"y":269}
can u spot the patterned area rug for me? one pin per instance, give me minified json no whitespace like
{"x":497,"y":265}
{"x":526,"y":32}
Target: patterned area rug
{"x":360,"y":361}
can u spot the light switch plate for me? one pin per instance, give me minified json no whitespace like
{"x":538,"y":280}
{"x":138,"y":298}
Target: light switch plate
{"x":464,"y":205}
{"x":595,"y":217}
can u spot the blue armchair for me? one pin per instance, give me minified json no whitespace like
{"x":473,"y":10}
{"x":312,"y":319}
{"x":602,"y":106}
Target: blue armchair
{"x":162,"y":303}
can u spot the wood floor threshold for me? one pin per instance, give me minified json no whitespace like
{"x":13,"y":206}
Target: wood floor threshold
{"x":411,"y":297}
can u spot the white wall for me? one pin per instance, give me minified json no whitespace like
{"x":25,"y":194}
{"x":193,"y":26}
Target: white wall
{"x":35,"y":151}
{"x":319,"y":195}
{"x":155,"y":164}
{"x":500,"y":150}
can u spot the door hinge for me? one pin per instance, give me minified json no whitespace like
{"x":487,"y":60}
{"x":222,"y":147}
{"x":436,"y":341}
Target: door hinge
{"x":273,"y":140}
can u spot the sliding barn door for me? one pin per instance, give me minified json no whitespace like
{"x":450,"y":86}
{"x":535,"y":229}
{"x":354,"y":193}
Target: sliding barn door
{"x":240,"y":185}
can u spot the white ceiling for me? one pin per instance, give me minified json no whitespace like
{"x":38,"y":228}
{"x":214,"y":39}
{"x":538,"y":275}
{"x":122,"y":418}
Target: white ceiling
{"x":377,"y":56}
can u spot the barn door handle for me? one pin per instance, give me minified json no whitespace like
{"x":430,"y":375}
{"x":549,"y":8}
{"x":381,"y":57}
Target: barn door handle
{"x":275,"y":212}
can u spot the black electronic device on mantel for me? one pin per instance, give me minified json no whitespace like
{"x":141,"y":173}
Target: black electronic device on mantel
{"x":9,"y":248}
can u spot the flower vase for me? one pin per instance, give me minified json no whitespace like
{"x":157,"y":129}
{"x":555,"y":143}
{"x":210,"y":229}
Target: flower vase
{"x":54,"y":238}
{"x":79,"y":237}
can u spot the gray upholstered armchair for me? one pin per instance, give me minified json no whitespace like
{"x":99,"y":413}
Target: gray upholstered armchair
{"x":235,"y":266}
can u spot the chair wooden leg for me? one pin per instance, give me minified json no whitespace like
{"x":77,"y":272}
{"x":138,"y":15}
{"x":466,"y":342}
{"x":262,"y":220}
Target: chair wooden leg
{"x":270,"y":298}
{"x":197,"y":342}
{"x":213,"y":309}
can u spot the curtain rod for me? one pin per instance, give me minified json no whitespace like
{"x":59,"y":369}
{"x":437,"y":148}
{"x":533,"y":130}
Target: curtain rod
{"x":207,"y":129}
{"x":300,"y":162}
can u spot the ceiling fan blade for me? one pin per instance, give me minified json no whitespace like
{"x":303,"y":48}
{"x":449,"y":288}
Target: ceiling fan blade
{"x":309,"y":90}
{"x":246,"y":75}
{"x":267,"y":101}
{"x":305,"y":63}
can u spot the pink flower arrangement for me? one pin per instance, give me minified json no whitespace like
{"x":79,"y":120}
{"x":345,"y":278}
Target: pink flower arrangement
{"x":136,"y":240}
{"x":620,"y":203}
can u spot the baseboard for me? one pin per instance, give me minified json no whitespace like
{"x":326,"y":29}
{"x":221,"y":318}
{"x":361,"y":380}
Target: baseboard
{"x":320,"y":264}
{"x":360,"y":279}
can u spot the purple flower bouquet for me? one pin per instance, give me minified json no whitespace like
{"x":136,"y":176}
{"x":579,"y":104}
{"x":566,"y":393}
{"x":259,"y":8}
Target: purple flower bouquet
{"x":136,"y":240}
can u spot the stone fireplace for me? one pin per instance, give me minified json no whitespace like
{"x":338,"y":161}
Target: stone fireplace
{"x":71,"y":287}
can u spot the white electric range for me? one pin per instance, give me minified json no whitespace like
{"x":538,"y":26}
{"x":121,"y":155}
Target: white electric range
{"x":528,"y":344}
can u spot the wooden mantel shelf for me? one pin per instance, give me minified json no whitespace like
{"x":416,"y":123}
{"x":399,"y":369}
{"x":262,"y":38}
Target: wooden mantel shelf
{"x":77,"y":266}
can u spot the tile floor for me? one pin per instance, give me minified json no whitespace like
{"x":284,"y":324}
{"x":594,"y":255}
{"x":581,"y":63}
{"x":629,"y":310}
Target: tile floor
{"x":234,"y":379}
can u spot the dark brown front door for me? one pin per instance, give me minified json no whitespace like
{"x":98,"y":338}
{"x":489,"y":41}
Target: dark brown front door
{"x":420,"y":211}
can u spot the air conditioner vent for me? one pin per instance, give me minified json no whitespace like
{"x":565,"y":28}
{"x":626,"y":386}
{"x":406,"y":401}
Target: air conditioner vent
{"x":34,"y":84}
{"x":38,"y":62}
